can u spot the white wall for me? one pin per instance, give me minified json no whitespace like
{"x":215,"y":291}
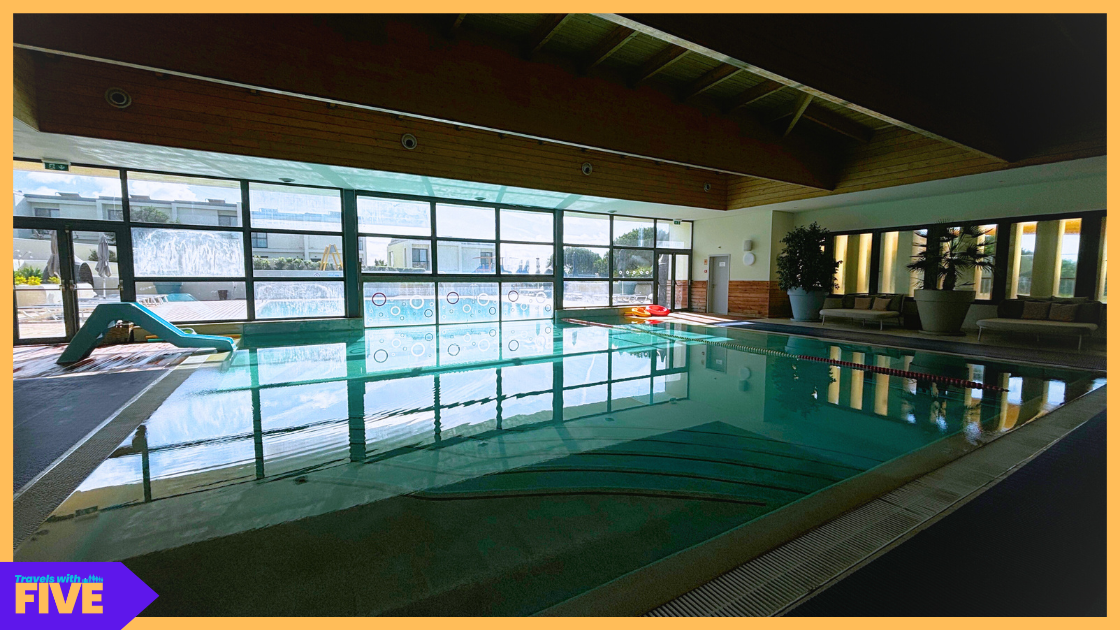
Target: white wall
{"x":725,"y":235}
{"x":1075,"y":194}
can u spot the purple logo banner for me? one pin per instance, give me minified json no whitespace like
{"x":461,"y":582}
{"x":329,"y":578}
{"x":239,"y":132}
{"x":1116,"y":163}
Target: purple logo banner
{"x":94,"y":595}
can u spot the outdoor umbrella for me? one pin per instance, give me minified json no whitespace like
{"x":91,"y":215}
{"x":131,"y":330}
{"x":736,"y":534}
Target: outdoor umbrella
{"x":52,"y":268}
{"x":103,"y":268}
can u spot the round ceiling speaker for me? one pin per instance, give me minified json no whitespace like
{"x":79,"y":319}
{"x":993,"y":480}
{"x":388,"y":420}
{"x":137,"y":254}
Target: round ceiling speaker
{"x":586,"y":168}
{"x":117,"y":98}
{"x":408,"y":141}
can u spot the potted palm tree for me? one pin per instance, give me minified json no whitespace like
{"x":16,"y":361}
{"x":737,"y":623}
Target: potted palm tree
{"x":806,"y":272}
{"x":945,"y":260}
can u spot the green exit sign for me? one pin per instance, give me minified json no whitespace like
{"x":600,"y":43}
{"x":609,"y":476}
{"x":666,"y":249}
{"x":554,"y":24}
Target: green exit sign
{"x":676,"y":221}
{"x":56,"y":166}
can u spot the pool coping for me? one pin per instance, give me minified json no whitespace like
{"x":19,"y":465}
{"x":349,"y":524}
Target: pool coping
{"x":41,"y":496}
{"x":768,"y":566}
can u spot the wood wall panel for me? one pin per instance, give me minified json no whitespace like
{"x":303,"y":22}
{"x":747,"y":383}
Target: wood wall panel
{"x":186,"y":113}
{"x":896,"y":157}
{"x":24,"y":106}
{"x":752,"y":298}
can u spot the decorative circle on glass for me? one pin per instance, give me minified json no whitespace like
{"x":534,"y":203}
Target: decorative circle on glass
{"x":384,"y":299}
{"x":384,"y":356}
{"x":413,"y":302}
{"x":381,"y":314}
{"x":417,"y":349}
{"x":429,"y":337}
{"x":396,"y":343}
{"x":513,"y":295}
{"x":493,"y":310}
{"x":493,"y":332}
{"x":548,"y":329}
{"x":547,"y":308}
{"x":541,"y":297}
{"x":428,"y":312}
{"x":452,"y":301}
{"x":485,"y":345}
{"x":483,"y":299}
{"x":396,"y":310}
{"x":513,"y":345}
{"x":456,"y":352}
{"x":466,"y":308}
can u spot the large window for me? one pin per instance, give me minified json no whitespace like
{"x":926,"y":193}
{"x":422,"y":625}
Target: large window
{"x":80,"y":193}
{"x":470,"y":252}
{"x":853,"y":252}
{"x":609,"y":261}
{"x":1043,"y":261}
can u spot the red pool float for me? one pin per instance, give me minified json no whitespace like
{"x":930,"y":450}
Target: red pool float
{"x":660,"y":311}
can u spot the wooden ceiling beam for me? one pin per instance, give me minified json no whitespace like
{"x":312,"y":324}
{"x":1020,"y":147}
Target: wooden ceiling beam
{"x":711,"y":78}
{"x":543,"y":34}
{"x":798,"y":111}
{"x":755,"y":94}
{"x":607,"y":47}
{"x":837,"y":123}
{"x":662,"y":60}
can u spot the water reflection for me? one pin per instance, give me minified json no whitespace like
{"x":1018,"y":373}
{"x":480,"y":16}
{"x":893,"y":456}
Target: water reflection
{"x":686,"y":423}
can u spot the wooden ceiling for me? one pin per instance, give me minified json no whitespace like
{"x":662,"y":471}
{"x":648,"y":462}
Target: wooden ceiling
{"x":778,"y":107}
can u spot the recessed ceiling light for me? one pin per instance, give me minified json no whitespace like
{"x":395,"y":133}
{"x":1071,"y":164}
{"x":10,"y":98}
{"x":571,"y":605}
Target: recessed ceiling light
{"x":287,"y":180}
{"x":480,"y":198}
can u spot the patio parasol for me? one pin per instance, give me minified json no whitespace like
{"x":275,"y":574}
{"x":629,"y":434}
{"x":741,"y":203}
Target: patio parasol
{"x":52,"y":267}
{"x":103,"y":268}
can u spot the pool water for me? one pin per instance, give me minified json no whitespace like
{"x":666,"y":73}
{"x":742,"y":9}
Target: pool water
{"x":499,"y":469}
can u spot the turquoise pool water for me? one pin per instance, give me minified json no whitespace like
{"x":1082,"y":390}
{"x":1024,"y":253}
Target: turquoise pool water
{"x":499,"y":468}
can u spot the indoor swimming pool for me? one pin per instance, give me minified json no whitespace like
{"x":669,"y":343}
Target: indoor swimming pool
{"x":501,"y":469}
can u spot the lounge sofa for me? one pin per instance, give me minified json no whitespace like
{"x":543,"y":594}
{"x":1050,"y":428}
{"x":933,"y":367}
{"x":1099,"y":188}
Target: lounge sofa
{"x":1045,"y":316}
{"x":862,"y":308}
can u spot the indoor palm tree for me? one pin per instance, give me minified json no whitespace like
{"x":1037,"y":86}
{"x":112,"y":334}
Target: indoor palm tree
{"x":948,"y":256}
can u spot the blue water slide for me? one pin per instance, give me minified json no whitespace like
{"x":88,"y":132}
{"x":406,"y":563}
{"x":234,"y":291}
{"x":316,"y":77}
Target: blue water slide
{"x":107,"y":315}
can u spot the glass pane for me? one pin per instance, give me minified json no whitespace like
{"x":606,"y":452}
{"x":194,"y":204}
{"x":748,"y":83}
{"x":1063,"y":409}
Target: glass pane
{"x":854,"y":253}
{"x":839,"y":254}
{"x":394,"y":255}
{"x":633,"y":263}
{"x":675,"y":235}
{"x":463,"y":302}
{"x":586,"y":262}
{"x":664,"y":278}
{"x":632,"y":292}
{"x":464,"y":222}
{"x":295,"y":208}
{"x":190,"y":253}
{"x":393,"y":216}
{"x":465,"y":257}
{"x":1069,"y":236}
{"x":633,"y":232}
{"x":1102,"y":274}
{"x":277,"y":254}
{"x":274,"y":300}
{"x":183,"y":200}
{"x":38,"y":301}
{"x":917,"y":243}
{"x":892,"y":269}
{"x":982,"y":278}
{"x":194,"y":301}
{"x":580,"y":294}
{"x":680,"y":285}
{"x":519,"y":225}
{"x":1021,"y":260}
{"x":529,"y":259}
{"x":399,"y":303}
{"x":526,"y":300}
{"x":96,"y":270}
{"x":587,"y":229}
{"x":80,"y":193}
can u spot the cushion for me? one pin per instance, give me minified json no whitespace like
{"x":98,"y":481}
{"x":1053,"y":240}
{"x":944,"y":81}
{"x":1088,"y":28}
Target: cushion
{"x":881,"y":304}
{"x":1089,"y":313}
{"x":896,"y":302}
{"x":862,"y":304}
{"x":849,"y":300}
{"x":1063,"y":312}
{"x":1069,"y":300}
{"x":1033,"y":309}
{"x":1010,"y":309}
{"x":833,"y":302}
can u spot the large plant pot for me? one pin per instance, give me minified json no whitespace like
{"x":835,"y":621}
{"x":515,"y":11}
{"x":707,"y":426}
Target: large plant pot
{"x":943,"y":312}
{"x":806,"y":305}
